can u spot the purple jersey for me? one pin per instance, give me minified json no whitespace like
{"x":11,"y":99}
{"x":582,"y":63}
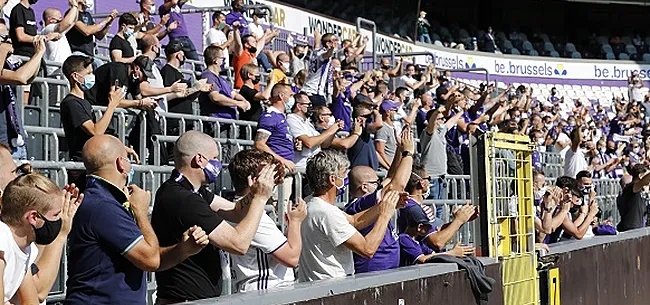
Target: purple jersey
{"x":537,"y":160}
{"x":237,"y":16}
{"x":274,"y":124}
{"x":175,"y":15}
{"x":411,"y":250}
{"x":342,"y":109}
{"x":387,"y":255}
{"x":208,"y":107}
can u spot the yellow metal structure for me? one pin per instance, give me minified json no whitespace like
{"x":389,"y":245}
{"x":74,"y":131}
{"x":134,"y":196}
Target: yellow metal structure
{"x":554,"y":286}
{"x":510,"y":212}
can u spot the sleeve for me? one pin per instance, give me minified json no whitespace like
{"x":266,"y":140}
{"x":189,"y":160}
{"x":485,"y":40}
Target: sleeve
{"x":296,"y":128}
{"x":162,"y":11}
{"x":266,"y":124}
{"x":17,"y":19}
{"x":230,"y":19}
{"x":268,"y":237}
{"x":337,"y":228}
{"x":382,"y":135}
{"x":119,"y":232}
{"x":114,"y":45}
{"x":363,"y":203}
{"x":76,"y":113}
{"x":195,"y":211}
{"x":211,"y":37}
{"x":411,"y":250}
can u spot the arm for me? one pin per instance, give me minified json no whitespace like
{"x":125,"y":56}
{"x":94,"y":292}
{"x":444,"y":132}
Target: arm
{"x":575,"y":140}
{"x":414,"y":112}
{"x":238,"y":46}
{"x":347,"y":142}
{"x":146,"y":253}
{"x":94,"y":29}
{"x":377,"y":122}
{"x":397,"y":71}
{"x":462,"y":215}
{"x":116,"y":56}
{"x":23,"y":37}
{"x":27,"y":293}
{"x":27,"y":71}
{"x":68,"y":21}
{"x":114,"y":98}
{"x":381,"y":153}
{"x":638,"y":186}
{"x":314,"y":141}
{"x":193,"y":241}
{"x":400,"y":171}
{"x":455,"y":119}
{"x":366,"y":246}
{"x":223,"y":100}
{"x":289,"y":254}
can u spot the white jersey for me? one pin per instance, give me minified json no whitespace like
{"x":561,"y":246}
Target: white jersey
{"x":257,"y":269}
{"x":17,"y":262}
{"x":319,"y":79}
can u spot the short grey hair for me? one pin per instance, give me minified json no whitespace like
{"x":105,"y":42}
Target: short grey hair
{"x":190,"y":144}
{"x":323,"y":165}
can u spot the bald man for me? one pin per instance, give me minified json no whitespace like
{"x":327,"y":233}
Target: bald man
{"x":366,"y":193}
{"x":112,"y":243}
{"x":58,"y":49}
{"x":184,"y":199}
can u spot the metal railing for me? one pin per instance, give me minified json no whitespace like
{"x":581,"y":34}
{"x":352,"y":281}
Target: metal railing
{"x":360,"y":22}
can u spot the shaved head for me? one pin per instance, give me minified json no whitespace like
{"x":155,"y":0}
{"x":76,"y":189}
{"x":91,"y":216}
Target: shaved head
{"x":192,"y":143}
{"x":358,"y":176}
{"x":52,"y":13}
{"x":101,"y":151}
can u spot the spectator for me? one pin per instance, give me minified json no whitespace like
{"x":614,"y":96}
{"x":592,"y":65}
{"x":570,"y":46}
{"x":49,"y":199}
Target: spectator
{"x":248,"y":49}
{"x":366,"y":190}
{"x":180,"y":33}
{"x":112,"y":242}
{"x":329,"y":235}
{"x":299,"y":56}
{"x":222,"y":101}
{"x":386,"y":137}
{"x":269,"y":261}
{"x":28,"y":207}
{"x":489,"y":43}
{"x":634,"y":87}
{"x":321,"y":69}
{"x":82,"y":35}
{"x":345,"y":90}
{"x":281,"y":70}
{"x":79,"y":123}
{"x":630,"y":203}
{"x":299,"y":81}
{"x":421,"y":116}
{"x":575,"y":160}
{"x":184,"y":200}
{"x":304,"y":131}
{"x":574,"y":227}
{"x":146,"y":24}
{"x":363,"y":152}
{"x":250,"y":73}
{"x":216,"y":36}
{"x":423,"y":28}
{"x":324,"y":120}
{"x":120,"y":47}
{"x":22,"y":29}
{"x":237,"y":15}
{"x":255,"y":28}
{"x":407,"y":80}
{"x":58,"y":50}
{"x":12,"y":130}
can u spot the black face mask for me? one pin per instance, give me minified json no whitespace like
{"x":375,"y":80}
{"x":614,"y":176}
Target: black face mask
{"x":310,"y":112}
{"x":32,"y":2}
{"x":299,"y":55}
{"x":256,"y":80}
{"x":252,"y":49}
{"x":181,"y":60}
{"x":46,"y":234}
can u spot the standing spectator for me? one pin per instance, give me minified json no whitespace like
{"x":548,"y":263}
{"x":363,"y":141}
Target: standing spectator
{"x":270,"y":260}
{"x":363,"y":152}
{"x":184,"y":201}
{"x":423,"y":28}
{"x":304,"y":131}
{"x":112,"y":242}
{"x":575,"y":160}
{"x":12,"y":130}
{"x":22,"y":29}
{"x":222,"y":102}
{"x":574,"y":227}
{"x":329,"y":234}
{"x":634,"y":84}
{"x":79,"y":123}
{"x":216,"y":36}
{"x":630,"y":203}
{"x":421,"y":117}
{"x":180,"y":33}
{"x":120,"y":47}
{"x":255,"y":28}
{"x":489,"y":43}
{"x":298,"y":54}
{"x":407,"y":80}
{"x":386,"y":137}
{"x":58,"y":50}
{"x":319,"y":83}
{"x":237,"y":15}
{"x":82,"y":35}
{"x":248,"y":49}
{"x":250,"y":73}
{"x":146,"y":24}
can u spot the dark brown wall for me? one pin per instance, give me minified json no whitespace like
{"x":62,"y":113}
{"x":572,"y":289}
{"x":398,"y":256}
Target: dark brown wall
{"x":449,"y":289}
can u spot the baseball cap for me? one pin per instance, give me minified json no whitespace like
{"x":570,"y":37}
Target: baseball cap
{"x":415,"y":215}
{"x":172,"y":48}
{"x":362,"y":99}
{"x":146,"y":64}
{"x":259,"y":12}
{"x":388,"y":105}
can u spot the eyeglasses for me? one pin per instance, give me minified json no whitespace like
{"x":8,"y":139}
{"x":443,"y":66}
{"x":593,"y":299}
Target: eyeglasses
{"x":428,"y":178}
{"x":440,"y":119}
{"x":326,"y":114}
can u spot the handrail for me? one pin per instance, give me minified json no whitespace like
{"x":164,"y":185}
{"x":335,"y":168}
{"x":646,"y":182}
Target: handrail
{"x":361,"y":20}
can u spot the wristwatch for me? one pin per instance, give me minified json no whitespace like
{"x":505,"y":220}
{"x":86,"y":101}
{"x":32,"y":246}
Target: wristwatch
{"x":407,"y":153}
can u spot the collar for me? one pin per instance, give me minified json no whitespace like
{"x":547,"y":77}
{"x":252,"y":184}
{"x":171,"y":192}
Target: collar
{"x":184,"y":182}
{"x":274,"y":109}
{"x":113,"y":189}
{"x":305,"y":120}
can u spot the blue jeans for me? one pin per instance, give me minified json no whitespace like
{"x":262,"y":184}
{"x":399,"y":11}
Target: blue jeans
{"x":424,"y":38}
{"x":264,"y":61}
{"x":96,"y":61}
{"x":19,"y":153}
{"x":188,"y":47}
{"x":438,"y":190}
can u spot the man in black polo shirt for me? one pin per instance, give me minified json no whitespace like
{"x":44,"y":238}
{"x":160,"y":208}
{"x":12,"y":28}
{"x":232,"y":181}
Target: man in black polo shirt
{"x":184,"y":200}
{"x":125,"y":76}
{"x":81,"y":36}
{"x":121,"y":50}
{"x":630,"y":203}
{"x":22,"y":29}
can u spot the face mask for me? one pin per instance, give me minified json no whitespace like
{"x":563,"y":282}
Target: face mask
{"x":252,"y":49}
{"x":586,"y":190}
{"x":548,"y":126}
{"x":572,"y":123}
{"x":636,"y":150}
{"x":129,"y":176}
{"x":626,"y":163}
{"x":441,"y":128}
{"x":540,"y":194}
{"x":396,"y":117}
{"x":603,"y":150}
{"x":89,"y":5}
{"x":32,"y":2}
{"x":256,"y":80}
{"x":540,"y":141}
{"x":330,"y":121}
{"x":128,"y":33}
{"x":341,"y":189}
{"x":152,"y":9}
{"x":46,"y":234}
{"x":89,"y":82}
{"x":337,"y":69}
{"x":286,"y":66}
{"x":289,"y":104}
{"x":426,"y":193}
{"x":517,"y":119}
{"x":221,"y":26}
{"x":310,"y":112}
{"x":212,"y":170}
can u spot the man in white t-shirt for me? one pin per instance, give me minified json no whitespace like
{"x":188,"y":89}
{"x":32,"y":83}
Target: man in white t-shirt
{"x":329,"y":234}
{"x":574,"y":160}
{"x":255,"y":28}
{"x":270,"y":260}
{"x":58,"y":50}
{"x":217,"y":37}
{"x":34,"y":211}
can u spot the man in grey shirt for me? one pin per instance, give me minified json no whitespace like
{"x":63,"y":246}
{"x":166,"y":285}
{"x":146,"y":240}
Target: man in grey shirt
{"x":386,"y":137}
{"x":434,"y":150}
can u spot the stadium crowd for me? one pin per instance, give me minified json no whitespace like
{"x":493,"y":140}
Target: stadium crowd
{"x":318,"y":113}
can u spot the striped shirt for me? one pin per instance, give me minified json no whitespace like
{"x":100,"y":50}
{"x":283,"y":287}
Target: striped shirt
{"x":319,"y":80}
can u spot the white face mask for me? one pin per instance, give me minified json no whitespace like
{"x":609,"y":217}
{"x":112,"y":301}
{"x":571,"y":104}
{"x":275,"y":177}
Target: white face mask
{"x":540,"y":194}
{"x":540,"y":141}
{"x":330,"y":121}
{"x":426,"y":193}
{"x":152,"y":9}
{"x":286,"y":66}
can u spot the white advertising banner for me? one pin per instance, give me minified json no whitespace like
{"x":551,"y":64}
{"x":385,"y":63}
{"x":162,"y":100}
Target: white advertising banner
{"x":296,"y":20}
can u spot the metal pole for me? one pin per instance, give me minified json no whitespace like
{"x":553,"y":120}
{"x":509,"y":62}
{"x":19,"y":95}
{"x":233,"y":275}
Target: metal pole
{"x":374,"y":37}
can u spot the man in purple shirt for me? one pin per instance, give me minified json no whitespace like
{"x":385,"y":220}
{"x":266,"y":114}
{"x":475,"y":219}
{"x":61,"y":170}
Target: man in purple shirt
{"x":222,"y":101}
{"x":179,"y":34}
{"x":366,"y":192}
{"x":237,"y":14}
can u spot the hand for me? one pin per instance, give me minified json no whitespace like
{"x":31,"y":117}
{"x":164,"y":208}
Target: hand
{"x":263,"y":185}
{"x":389,"y":203}
{"x":72,"y":3}
{"x":150,"y":103}
{"x":289,"y":165}
{"x":139,"y":199}
{"x":177,"y":86}
{"x":115,"y":96}
{"x":194,"y":240}
{"x":174,"y":25}
{"x":464,"y":213}
{"x":358,"y":126}
{"x":593,"y":209}
{"x":132,"y":153}
{"x":365,"y":39}
{"x":6,"y":48}
{"x":244,"y":105}
{"x":417,"y":103}
{"x":231,"y":37}
{"x":407,"y":142}
{"x":339,"y":125}
{"x":71,"y":201}
{"x":297,"y":213}
{"x":543,"y":246}
{"x":236,"y":24}
{"x":461,"y":251}
{"x":584,"y":209}
{"x":275,"y":33}
{"x":39,"y":44}
{"x":113,"y":14}
{"x":164,"y":19}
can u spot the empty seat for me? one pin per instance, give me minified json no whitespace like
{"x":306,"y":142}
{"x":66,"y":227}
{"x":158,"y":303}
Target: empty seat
{"x":606,"y":48}
{"x":548,"y":47}
{"x":527,"y":46}
{"x":576,"y":55}
{"x":554,"y":54}
{"x":438,"y":43}
{"x":630,"y":49}
{"x":514,"y":52}
{"x":507,"y":45}
{"x":533,"y":53}
{"x":569,"y":48}
{"x":646,"y":57}
{"x":610,"y":55}
{"x":623,"y":56}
